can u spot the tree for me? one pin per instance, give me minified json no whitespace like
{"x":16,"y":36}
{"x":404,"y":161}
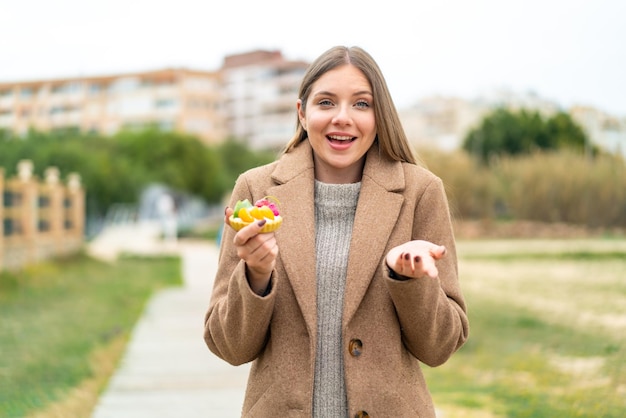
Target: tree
{"x":116,"y":169}
{"x":505,"y":132}
{"x":238,"y":157}
{"x":565,"y":132}
{"x":181,"y":161}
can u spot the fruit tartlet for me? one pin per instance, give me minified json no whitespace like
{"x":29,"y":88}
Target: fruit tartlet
{"x":246,"y":213}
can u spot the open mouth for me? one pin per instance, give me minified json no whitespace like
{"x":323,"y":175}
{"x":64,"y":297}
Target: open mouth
{"x":340,"y":139}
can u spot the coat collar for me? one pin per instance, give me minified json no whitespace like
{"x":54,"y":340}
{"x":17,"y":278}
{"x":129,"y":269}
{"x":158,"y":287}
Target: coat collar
{"x":299,"y":161}
{"x":380,"y":201}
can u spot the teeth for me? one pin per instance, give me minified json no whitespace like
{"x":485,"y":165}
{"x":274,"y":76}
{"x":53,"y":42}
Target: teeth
{"x":340,"y":138}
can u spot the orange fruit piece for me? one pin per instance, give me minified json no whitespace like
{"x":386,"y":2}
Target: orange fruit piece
{"x":255,"y":212}
{"x":245,"y":216}
{"x":266,"y":212}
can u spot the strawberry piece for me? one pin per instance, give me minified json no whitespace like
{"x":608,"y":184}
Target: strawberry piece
{"x":262,"y":202}
{"x":274,"y":209}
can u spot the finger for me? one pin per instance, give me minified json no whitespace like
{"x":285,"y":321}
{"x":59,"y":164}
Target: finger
{"x":438,"y":252}
{"x":263,"y":252}
{"x":268,"y":250}
{"x":429,"y":268}
{"x":249,"y":231}
{"x":227,"y":212}
{"x":412,"y":263}
{"x":404,"y":262}
{"x":416,"y":260}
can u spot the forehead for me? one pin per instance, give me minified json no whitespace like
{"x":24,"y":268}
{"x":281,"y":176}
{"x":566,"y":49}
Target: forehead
{"x":346,"y":78}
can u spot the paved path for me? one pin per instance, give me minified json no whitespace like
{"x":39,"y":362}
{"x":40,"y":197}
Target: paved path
{"x":167,"y":370}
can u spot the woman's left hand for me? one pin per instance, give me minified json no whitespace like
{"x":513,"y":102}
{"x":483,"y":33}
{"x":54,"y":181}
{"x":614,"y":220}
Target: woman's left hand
{"x":415,"y":259}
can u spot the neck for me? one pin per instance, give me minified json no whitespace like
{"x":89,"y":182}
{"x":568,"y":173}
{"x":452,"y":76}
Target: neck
{"x":338,"y":175}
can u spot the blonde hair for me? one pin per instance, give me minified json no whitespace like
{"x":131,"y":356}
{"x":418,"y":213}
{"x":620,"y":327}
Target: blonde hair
{"x":392,"y":140}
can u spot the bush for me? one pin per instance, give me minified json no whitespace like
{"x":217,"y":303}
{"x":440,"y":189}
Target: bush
{"x":559,"y":186}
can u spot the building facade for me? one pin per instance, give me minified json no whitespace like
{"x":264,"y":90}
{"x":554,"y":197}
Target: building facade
{"x":261,"y":88}
{"x":606,"y":131}
{"x":252,"y":98}
{"x":170,"y":99}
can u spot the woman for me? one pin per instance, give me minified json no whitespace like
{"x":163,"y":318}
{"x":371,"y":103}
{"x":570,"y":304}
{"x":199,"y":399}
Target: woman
{"x":365,"y":286}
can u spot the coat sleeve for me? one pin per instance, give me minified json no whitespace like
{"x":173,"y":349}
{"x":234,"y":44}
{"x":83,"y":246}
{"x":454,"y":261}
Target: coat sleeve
{"x":236,"y":325}
{"x":432,"y":312}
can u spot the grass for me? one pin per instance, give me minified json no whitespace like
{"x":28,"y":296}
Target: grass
{"x":547,"y":339}
{"x":548,"y":331}
{"x":563,"y":186}
{"x":64,"y":327}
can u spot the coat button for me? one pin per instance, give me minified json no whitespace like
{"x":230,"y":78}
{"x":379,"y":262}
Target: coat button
{"x":361,"y":414}
{"x":355,"y":347}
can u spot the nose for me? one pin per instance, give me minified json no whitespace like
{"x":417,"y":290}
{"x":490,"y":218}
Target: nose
{"x":342,"y":117}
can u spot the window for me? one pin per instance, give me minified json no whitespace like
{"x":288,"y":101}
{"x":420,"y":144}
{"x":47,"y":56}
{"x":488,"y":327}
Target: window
{"x":125,"y":85}
{"x":95,"y":89}
{"x":67,"y":88}
{"x":44,"y":201}
{"x":12,"y":199}
{"x":165,"y":103}
{"x":11,"y":227}
{"x":26,"y":92}
{"x":43,"y":225}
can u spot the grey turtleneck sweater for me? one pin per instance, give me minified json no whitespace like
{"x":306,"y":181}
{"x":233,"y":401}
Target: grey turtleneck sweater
{"x":335,"y":206}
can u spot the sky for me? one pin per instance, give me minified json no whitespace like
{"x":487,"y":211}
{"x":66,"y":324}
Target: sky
{"x":572,"y":52}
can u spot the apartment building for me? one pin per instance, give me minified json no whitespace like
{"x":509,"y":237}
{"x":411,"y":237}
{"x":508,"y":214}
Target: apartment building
{"x":606,"y":131}
{"x":261,"y":88}
{"x":439,"y":122}
{"x":171,"y":99}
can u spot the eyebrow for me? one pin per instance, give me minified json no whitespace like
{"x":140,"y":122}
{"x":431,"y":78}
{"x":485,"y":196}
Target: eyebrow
{"x":329,"y":93}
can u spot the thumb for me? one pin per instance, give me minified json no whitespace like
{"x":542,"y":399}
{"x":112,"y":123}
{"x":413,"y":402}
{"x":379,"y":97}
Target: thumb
{"x":439,"y":252}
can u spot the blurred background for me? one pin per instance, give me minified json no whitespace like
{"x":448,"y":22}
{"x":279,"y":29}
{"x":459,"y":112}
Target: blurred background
{"x":122,"y":120}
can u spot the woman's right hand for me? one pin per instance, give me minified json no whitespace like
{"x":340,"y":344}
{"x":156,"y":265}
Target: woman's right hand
{"x":258,"y":250}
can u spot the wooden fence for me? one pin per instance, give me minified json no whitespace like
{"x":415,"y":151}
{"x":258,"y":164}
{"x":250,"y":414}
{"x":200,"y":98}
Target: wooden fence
{"x":41,"y":219}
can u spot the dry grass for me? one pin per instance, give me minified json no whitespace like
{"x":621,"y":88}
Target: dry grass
{"x":548,"y":331}
{"x":81,"y":401}
{"x":559,"y":187}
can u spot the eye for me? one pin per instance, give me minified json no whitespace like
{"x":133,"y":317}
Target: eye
{"x":362,"y":104}
{"x":325,"y":102}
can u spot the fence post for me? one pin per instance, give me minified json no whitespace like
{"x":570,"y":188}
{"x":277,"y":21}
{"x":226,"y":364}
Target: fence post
{"x":76,"y":196}
{"x":30,"y":208}
{"x":54,"y":209}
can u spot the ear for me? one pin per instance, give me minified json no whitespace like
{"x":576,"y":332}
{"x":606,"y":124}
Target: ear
{"x":301,"y":116}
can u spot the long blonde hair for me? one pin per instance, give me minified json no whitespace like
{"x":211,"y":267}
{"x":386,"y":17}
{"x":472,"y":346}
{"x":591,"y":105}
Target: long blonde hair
{"x":392,"y":140}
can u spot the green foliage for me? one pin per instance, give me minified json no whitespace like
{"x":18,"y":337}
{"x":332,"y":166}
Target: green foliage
{"x":116,"y":169}
{"x":237,"y":157}
{"x":506,"y":132}
{"x":180,"y":161}
{"x":564,"y":132}
{"x":56,"y":315}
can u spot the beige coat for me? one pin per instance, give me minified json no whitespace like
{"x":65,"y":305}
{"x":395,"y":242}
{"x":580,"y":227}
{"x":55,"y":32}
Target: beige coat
{"x":389,"y":326}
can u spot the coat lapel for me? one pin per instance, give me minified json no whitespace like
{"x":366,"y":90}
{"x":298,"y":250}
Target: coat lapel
{"x":376,"y":215}
{"x":377,"y":211}
{"x":296,"y":236}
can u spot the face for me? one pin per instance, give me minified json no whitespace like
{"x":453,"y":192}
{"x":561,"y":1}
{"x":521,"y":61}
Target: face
{"x":340,"y":124}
